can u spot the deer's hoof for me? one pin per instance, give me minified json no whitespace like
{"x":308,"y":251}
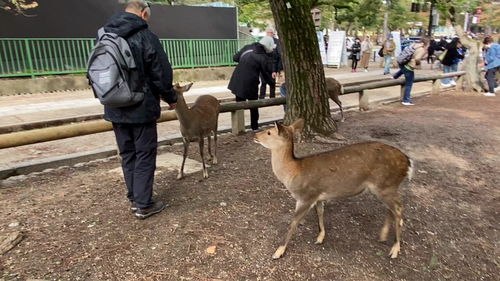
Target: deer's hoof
{"x":214,"y":161}
{"x":180,"y":176}
{"x":205,"y":174}
{"x":279,"y":252}
{"x":395,"y":251}
{"x":320,"y":239}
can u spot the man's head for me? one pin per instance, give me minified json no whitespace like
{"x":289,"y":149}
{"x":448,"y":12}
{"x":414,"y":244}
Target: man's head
{"x":488,"y":41}
{"x":270,"y":31}
{"x":140,"y":8}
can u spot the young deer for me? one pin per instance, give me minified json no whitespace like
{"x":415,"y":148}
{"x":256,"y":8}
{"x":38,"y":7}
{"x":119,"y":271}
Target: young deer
{"x":334,"y":89}
{"x":340,"y":173}
{"x":197,"y":122}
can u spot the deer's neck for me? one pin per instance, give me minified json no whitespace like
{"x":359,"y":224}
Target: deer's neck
{"x":285,"y":165}
{"x":183,"y":111}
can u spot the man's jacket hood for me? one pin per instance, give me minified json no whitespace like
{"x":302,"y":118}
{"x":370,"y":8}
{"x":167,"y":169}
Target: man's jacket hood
{"x":125,"y":24}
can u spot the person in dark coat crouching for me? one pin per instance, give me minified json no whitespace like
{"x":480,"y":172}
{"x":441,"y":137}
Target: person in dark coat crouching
{"x":252,"y":62}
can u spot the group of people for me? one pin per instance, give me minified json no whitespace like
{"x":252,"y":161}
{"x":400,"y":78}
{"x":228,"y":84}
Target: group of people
{"x":360,"y":51}
{"x":258,"y":63}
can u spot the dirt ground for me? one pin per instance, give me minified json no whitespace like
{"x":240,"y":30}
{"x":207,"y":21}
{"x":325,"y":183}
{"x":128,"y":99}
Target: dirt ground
{"x":77,"y":225}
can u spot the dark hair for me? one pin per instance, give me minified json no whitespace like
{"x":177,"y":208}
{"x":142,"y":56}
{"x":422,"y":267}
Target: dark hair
{"x":487,"y":40}
{"x":454,"y":42}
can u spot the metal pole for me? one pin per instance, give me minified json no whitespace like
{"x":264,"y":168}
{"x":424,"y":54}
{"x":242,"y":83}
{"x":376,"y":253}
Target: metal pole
{"x":431,"y":15}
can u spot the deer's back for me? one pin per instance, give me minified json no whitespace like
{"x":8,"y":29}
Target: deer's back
{"x":333,"y":87}
{"x":349,"y":170}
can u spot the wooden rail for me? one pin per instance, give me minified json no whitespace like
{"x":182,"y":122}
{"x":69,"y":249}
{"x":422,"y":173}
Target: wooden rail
{"x":236,"y":108}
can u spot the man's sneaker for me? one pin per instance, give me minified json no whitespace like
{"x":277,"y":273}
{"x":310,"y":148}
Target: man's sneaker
{"x":407,"y":103}
{"x":147,"y":212}
{"x":453,"y":83}
{"x":496,"y":89}
{"x":445,"y":85}
{"x":490,"y":94}
{"x":366,"y":70}
{"x":133,"y":207}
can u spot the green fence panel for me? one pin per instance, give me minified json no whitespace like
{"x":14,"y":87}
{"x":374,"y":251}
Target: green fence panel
{"x":53,"y":56}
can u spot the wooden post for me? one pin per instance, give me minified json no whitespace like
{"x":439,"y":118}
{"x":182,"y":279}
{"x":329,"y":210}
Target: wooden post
{"x":364,"y":103}
{"x":436,"y":83}
{"x":460,"y":83}
{"x":237,"y":122}
{"x":402,"y":92}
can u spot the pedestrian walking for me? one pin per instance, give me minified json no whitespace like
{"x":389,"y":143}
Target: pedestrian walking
{"x":274,"y":66}
{"x":135,"y":125}
{"x":451,"y":59}
{"x":492,"y":65}
{"x":408,"y":60}
{"x":389,"y":46}
{"x":252,"y":62}
{"x":355,"y":54}
{"x":366,"y":52}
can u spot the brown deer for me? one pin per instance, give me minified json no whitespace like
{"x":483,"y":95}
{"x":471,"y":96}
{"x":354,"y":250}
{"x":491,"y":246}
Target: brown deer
{"x":340,"y":173}
{"x":197,"y":122}
{"x":334,"y":89}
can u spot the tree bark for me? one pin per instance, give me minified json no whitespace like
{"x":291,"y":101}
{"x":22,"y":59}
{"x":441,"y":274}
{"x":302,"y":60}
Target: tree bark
{"x":305,"y":78}
{"x":472,"y":81}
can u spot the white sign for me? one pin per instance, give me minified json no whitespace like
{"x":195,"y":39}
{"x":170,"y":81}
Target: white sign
{"x":322,"y":47}
{"x":336,"y":47}
{"x":397,"y":40}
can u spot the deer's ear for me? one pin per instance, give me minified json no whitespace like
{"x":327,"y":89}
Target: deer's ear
{"x":279,"y":127}
{"x":187,"y":87}
{"x":298,"y":125}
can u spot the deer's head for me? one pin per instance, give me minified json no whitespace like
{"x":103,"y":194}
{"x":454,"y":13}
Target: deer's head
{"x":280,"y":135}
{"x":181,"y":89}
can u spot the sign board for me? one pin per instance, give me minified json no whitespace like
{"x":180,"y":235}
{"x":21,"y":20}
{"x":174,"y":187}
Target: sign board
{"x":322,"y":47}
{"x":397,"y":40}
{"x":336,"y":48}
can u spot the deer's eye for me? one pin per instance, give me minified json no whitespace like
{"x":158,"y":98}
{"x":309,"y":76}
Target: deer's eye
{"x":268,"y":133}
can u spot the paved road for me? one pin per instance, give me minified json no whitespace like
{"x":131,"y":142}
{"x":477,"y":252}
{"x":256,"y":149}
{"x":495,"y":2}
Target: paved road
{"x":38,"y":107}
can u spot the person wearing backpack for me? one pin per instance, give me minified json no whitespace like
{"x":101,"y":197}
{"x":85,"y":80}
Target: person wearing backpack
{"x":148,"y":78}
{"x":408,"y":60}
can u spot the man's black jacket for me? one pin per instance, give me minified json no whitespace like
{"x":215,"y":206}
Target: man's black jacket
{"x":154,"y":77}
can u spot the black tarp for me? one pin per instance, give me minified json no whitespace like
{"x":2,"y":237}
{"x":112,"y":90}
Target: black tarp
{"x":82,"y":18}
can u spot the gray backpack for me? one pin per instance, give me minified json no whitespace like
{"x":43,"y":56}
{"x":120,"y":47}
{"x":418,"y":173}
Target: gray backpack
{"x":110,"y":67}
{"x":405,"y":56}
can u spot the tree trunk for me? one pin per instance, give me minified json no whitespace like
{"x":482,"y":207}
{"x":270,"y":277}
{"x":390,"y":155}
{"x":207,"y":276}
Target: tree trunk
{"x":472,"y":79}
{"x":305,"y":78}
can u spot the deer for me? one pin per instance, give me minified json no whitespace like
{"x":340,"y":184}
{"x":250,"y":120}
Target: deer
{"x":337,"y":174}
{"x":196,"y":123}
{"x":334,"y":89}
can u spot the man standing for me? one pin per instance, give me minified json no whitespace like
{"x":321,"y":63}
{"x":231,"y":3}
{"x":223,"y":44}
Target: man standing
{"x":274,"y":67}
{"x":135,"y":125}
{"x":389,"y":47}
{"x":408,"y":60}
{"x":492,"y":65}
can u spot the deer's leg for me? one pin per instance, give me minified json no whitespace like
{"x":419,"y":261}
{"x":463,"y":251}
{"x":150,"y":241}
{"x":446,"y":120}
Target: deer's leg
{"x":387,"y":224}
{"x":394,"y":203}
{"x":300,"y":211}
{"x":185,"y":141}
{"x":214,"y":159}
{"x":210,"y":156}
{"x":201,"y":143}
{"x":320,"y":209}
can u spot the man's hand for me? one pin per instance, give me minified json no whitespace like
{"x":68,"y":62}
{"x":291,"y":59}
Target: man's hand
{"x":273,"y":75}
{"x":171,"y":106}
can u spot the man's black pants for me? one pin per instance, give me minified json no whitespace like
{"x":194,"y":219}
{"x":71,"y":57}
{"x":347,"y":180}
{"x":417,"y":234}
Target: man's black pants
{"x":254,"y":114}
{"x":137,"y":144}
{"x":263,"y":86}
